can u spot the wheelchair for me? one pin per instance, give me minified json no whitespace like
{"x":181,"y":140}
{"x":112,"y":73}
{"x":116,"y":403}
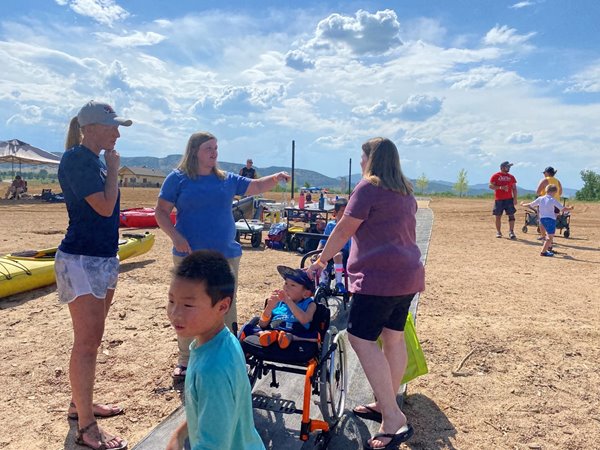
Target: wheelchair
{"x":323,"y":364}
{"x":323,"y":293}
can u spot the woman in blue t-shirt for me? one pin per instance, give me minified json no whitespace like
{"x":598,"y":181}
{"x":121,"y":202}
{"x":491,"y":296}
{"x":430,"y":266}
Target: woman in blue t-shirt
{"x":86,"y":263}
{"x":203,"y":195}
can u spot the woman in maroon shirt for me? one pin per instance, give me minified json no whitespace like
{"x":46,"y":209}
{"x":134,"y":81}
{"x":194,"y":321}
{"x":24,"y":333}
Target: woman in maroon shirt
{"x":385,"y":273}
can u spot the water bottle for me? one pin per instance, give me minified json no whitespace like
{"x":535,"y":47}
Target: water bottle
{"x":322,"y":201}
{"x":301,"y":200}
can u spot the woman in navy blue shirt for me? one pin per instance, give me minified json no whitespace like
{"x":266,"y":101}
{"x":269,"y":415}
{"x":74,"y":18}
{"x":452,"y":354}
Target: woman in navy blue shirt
{"x":86,"y":261}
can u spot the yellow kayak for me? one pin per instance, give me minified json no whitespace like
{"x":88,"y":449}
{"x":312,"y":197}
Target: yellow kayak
{"x":24,"y":271}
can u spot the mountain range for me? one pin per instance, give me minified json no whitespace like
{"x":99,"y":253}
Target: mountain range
{"x":302,"y":176}
{"x":312,"y":178}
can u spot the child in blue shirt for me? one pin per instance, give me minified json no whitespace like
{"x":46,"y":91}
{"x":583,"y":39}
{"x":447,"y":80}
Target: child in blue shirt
{"x":288,"y":313}
{"x":218,"y":404}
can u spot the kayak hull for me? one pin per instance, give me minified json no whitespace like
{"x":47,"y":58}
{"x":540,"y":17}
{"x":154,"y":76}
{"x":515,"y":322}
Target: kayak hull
{"x":22,"y":272}
{"x":140,"y":218}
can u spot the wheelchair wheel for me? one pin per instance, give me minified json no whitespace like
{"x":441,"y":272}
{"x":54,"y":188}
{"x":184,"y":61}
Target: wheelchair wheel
{"x":294,"y":244}
{"x":255,"y":241}
{"x":321,"y":296}
{"x":306,"y":257}
{"x":332,"y":380}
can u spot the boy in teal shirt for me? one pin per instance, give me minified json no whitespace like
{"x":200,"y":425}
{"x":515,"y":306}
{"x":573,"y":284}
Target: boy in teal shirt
{"x":218,"y":404}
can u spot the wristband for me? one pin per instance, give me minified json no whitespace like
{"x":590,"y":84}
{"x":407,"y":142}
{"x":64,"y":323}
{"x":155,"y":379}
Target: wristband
{"x":321,"y":263}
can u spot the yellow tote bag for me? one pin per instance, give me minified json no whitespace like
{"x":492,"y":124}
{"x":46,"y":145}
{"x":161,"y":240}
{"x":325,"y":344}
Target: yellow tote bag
{"x":416,"y":365}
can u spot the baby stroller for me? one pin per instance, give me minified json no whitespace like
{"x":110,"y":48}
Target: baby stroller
{"x":323,"y":365}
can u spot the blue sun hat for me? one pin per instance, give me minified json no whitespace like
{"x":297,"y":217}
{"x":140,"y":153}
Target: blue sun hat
{"x":298,"y":275}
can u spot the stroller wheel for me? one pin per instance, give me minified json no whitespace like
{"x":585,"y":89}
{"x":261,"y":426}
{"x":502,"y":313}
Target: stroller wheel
{"x":524,"y":229}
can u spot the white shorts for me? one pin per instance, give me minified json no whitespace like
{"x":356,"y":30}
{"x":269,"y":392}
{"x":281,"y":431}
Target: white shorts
{"x":78,"y":275}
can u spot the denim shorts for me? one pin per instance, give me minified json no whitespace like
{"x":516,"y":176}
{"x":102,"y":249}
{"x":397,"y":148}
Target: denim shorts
{"x":78,"y":275}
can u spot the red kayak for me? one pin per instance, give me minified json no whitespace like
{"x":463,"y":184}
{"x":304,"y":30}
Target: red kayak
{"x":140,"y":218}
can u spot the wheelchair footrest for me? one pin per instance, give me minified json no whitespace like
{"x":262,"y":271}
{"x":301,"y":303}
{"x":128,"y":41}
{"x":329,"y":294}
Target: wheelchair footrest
{"x":274,"y":404}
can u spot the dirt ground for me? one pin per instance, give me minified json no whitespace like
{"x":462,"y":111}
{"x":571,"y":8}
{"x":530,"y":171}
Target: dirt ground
{"x":512,"y":339}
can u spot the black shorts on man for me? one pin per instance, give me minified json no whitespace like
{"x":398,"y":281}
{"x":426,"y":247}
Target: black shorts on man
{"x":507,"y":205}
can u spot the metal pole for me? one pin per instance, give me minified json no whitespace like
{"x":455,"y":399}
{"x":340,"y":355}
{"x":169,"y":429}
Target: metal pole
{"x":293,"y":164}
{"x":350,"y":176}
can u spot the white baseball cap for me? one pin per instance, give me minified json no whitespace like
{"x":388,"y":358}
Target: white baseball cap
{"x":101,"y":113}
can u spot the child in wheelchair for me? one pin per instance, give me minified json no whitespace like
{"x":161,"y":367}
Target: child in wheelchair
{"x":307,"y":344}
{"x":288,"y":313}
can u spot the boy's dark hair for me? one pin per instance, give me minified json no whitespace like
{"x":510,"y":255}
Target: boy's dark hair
{"x":211,"y":268}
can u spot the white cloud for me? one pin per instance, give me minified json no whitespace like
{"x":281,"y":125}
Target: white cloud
{"x":364,"y":33}
{"x":423,"y":29}
{"x":484,"y":77}
{"x":105,"y":12}
{"x":421,"y":142}
{"x":504,"y":36}
{"x":135,"y":39}
{"x":29,"y":115}
{"x":420,"y":107}
{"x":380,"y":108}
{"x":519,"y":137}
{"x":299,"y":60}
{"x":252,"y":124}
{"x":586,"y":81}
{"x":520,"y":5}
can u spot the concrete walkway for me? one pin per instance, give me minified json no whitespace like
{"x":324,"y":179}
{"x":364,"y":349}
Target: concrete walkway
{"x":281,"y":431}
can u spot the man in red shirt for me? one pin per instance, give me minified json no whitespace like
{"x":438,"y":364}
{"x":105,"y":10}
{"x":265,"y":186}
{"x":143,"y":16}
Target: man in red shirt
{"x":504,"y":186}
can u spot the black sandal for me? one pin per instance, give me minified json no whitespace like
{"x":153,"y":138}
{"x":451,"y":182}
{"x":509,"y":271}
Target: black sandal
{"x":102,"y":443}
{"x":369,"y":414}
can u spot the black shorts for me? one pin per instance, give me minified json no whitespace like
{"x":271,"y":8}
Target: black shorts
{"x":370,"y":314}
{"x":507,"y":206}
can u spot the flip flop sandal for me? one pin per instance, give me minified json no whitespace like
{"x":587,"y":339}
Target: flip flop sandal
{"x":369,"y":414}
{"x":101,"y":443}
{"x":397,"y":438}
{"x":115,"y":410}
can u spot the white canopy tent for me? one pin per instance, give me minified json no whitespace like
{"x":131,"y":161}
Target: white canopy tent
{"x":18,"y":151}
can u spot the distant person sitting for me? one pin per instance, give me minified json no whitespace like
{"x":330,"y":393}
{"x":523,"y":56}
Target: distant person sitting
{"x":16,"y":189}
{"x":248,"y":171}
{"x":308,"y":197}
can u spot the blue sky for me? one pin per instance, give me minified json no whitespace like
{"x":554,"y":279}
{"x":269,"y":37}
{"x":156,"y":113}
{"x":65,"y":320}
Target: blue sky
{"x":455,"y":84}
